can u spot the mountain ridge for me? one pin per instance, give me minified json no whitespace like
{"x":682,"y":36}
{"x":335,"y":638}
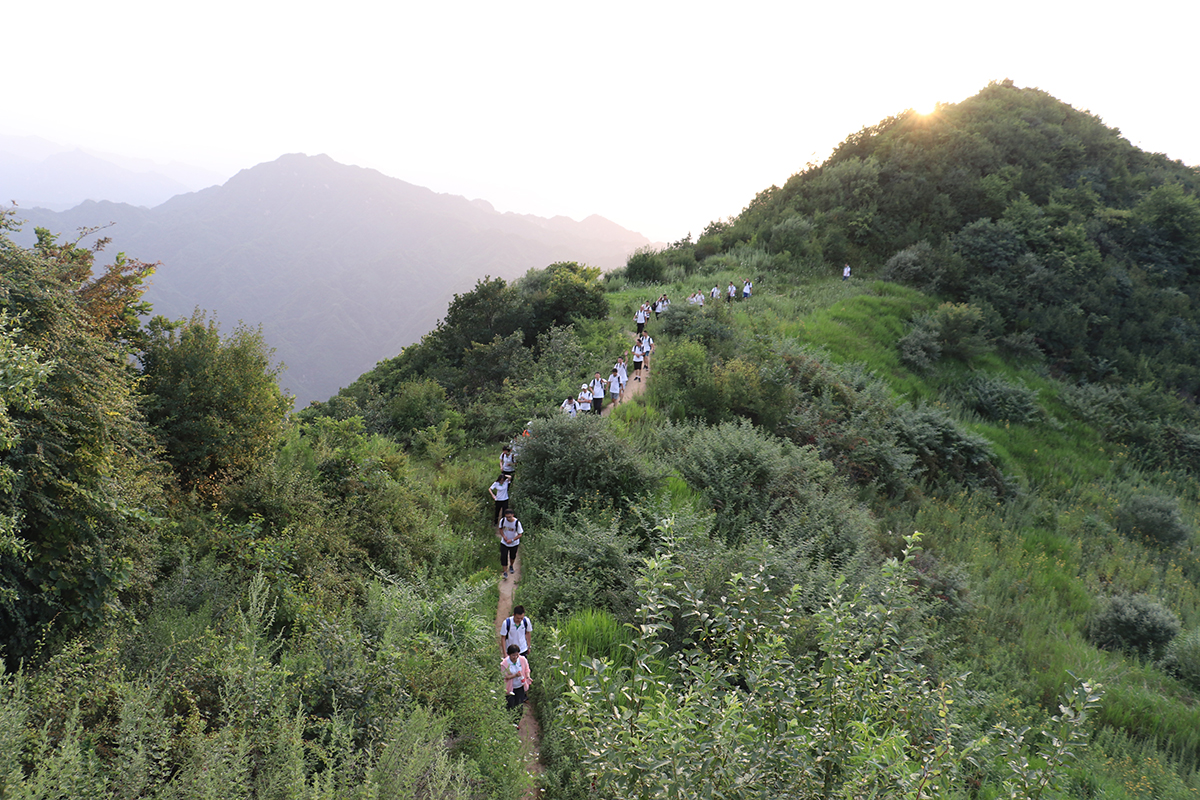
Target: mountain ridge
{"x":342,"y":266}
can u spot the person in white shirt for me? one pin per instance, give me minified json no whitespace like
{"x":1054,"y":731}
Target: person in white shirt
{"x":622,"y":372}
{"x":499,"y":493}
{"x":640,"y":318}
{"x":614,"y":387}
{"x":570,"y":407}
{"x":516,"y":630}
{"x":747,"y":286}
{"x":846,"y":272}
{"x":647,"y":349}
{"x":638,"y":354}
{"x":598,"y":387}
{"x":509,"y":533}
{"x":584,"y":401}
{"x":715,"y":293}
{"x":731,"y":293}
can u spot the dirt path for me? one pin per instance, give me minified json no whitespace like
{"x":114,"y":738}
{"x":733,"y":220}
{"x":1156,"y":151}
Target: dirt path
{"x":632,"y":389}
{"x":527,"y":730}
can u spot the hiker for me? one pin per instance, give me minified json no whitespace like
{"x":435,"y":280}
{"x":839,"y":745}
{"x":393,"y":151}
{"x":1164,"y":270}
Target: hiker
{"x":639,"y":353}
{"x":570,"y":407}
{"x":640,"y":318}
{"x":715,"y":294}
{"x":846,"y":272}
{"x":731,"y":293}
{"x":515,"y":630}
{"x":514,"y":668}
{"x":508,"y":462}
{"x":622,"y":373}
{"x":499,"y":493}
{"x":598,"y":387}
{"x":647,"y":349}
{"x":585,"y":399}
{"x":614,"y":387}
{"x":746,"y":289}
{"x":509,"y":532}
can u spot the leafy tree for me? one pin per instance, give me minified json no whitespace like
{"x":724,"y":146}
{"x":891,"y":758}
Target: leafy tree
{"x":77,"y":453}
{"x":213,"y":403}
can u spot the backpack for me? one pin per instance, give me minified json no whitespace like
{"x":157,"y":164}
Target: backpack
{"x":508,"y":625}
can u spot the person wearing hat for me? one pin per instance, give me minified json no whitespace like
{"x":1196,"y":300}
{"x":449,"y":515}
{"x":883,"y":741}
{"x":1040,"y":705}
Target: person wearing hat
{"x":585,"y":399}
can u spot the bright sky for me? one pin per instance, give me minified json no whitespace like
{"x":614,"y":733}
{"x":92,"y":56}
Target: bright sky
{"x":661,"y":116}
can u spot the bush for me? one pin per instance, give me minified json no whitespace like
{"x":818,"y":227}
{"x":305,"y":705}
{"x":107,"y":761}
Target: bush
{"x":1153,"y":517}
{"x":1182,"y":658}
{"x":1135,"y":623}
{"x":645,"y":265}
{"x":944,"y":450}
{"x":997,"y":399}
{"x":920,"y":348}
{"x":764,"y":487}
{"x":568,"y":463}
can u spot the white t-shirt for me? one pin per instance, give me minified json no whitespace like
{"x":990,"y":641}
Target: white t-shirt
{"x":570,"y":406}
{"x":514,"y":633}
{"x":510,"y":532}
{"x":640,"y":316}
{"x":638,"y":351}
{"x":614,"y":385}
{"x":622,"y":372}
{"x":501,"y":489}
{"x":598,"y":388}
{"x":585,"y":400}
{"x":715,"y":293}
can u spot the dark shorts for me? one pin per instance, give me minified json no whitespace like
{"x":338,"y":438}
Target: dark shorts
{"x":508,"y":555}
{"x":641,"y":327}
{"x":597,"y":404}
{"x":637,"y":366}
{"x":500,"y":506}
{"x":517,"y":697}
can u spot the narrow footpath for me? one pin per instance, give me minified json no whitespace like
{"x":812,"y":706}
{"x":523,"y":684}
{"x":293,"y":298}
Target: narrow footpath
{"x":528,"y":730}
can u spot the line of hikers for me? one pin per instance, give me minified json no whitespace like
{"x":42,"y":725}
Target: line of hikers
{"x":590,"y":399}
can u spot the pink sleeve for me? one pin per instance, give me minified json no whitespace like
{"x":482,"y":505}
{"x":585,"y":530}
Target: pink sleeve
{"x":526,"y":678}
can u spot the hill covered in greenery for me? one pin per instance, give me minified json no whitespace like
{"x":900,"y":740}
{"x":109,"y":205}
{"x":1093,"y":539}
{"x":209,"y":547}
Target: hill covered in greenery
{"x":861,"y":538}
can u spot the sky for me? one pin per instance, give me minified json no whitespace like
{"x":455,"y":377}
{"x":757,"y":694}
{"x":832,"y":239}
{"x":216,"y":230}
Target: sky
{"x":660,"y":116}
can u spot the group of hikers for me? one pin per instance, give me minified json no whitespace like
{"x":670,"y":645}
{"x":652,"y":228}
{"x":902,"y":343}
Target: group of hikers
{"x":731,"y":293}
{"x":515,"y":630}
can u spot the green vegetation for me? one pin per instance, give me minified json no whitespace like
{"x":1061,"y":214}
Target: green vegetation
{"x":732,"y":595}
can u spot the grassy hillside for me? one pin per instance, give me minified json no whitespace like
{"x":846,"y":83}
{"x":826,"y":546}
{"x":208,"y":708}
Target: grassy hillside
{"x":857,"y":538}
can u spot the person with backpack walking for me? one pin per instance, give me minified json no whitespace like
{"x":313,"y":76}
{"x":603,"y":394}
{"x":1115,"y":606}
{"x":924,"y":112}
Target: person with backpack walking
{"x":509,"y":533}
{"x":516,"y":630}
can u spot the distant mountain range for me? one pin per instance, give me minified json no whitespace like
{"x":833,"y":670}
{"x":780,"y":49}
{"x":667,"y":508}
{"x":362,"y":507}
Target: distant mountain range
{"x":35,"y":172}
{"x":342,"y":266}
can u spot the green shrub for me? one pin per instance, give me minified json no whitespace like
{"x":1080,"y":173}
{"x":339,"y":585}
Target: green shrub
{"x":1135,"y":623}
{"x":1182,"y":658}
{"x":645,"y":265}
{"x":761,"y":486}
{"x":568,"y":463}
{"x":946,"y":451}
{"x":996,"y":398}
{"x":1153,"y":517}
{"x":921,"y":347}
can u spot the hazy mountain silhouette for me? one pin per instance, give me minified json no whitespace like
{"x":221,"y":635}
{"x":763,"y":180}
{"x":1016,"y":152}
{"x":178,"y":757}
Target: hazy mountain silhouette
{"x":342,"y":266}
